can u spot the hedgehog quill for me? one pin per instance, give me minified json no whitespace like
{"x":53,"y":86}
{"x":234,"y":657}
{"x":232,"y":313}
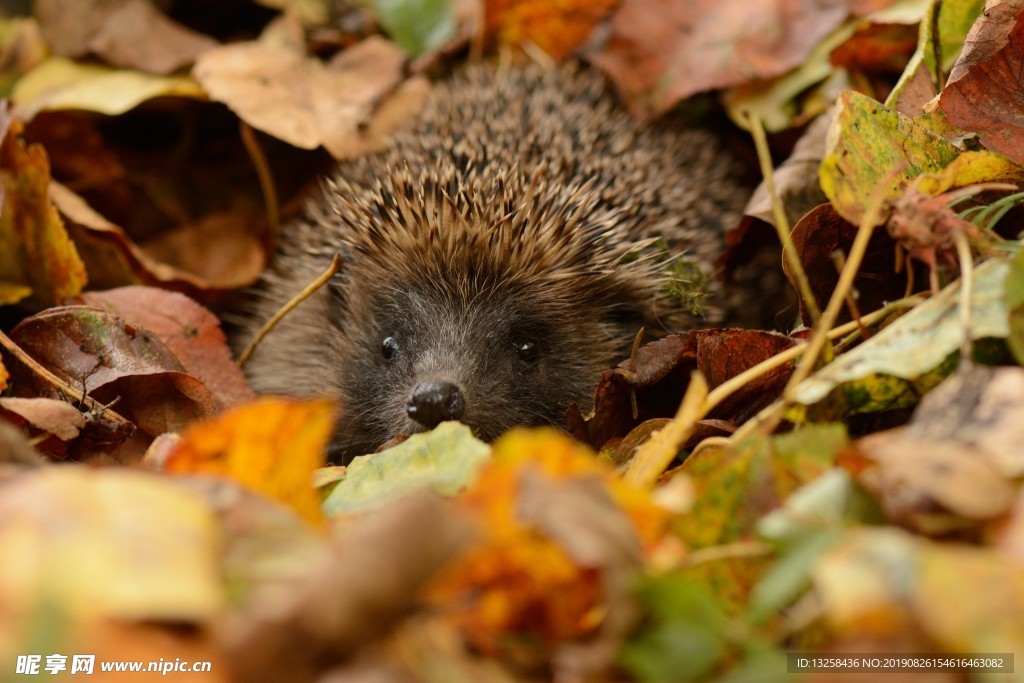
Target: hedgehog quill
{"x":496,"y":258}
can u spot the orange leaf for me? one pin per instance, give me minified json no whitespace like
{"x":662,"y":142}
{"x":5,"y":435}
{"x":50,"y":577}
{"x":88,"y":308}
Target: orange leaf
{"x":558,"y":28}
{"x":271,"y":446}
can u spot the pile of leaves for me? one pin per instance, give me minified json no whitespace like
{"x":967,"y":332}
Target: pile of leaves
{"x":852,"y":485}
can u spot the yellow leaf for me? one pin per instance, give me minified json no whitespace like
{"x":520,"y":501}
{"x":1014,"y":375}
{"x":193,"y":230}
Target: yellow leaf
{"x":107,"y":543}
{"x":271,"y":446}
{"x":37,"y":253}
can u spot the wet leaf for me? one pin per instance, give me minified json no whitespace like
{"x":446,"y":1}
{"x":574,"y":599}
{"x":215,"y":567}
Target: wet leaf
{"x":271,"y":446}
{"x":445,"y":460}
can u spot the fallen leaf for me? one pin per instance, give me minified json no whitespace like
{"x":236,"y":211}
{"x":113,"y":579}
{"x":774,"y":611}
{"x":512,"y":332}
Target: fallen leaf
{"x":559,"y":29}
{"x":868,"y":140}
{"x":365,"y":584}
{"x":348,"y":106}
{"x":110,"y":359}
{"x":117,"y":261}
{"x":108,"y":543}
{"x":445,"y":460}
{"x":941,"y":35}
{"x":191,"y":333}
{"x":38,"y":256}
{"x":895,"y":367}
{"x":660,"y":52}
{"x":985,"y":91}
{"x":222,"y":249}
{"x":59,"y":83}
{"x":59,"y":418}
{"x":271,"y":446}
{"x":135,"y":35}
{"x":823,"y":232}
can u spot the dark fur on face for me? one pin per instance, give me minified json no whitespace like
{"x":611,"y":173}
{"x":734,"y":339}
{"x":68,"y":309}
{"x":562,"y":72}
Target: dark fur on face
{"x":499,"y":255}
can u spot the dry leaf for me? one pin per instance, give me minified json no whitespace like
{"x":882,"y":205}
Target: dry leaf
{"x":348,"y":106}
{"x":271,"y":446}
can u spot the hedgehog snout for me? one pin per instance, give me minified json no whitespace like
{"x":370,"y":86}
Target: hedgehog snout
{"x":434,"y":401}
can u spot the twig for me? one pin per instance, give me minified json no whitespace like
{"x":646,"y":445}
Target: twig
{"x":259,"y":161}
{"x":781,"y":223}
{"x":287,"y":308}
{"x":963,"y":251}
{"x":839,"y":259}
{"x":860,"y":244}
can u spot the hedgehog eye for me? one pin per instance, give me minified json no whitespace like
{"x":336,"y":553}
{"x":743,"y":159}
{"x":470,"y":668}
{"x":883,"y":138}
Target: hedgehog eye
{"x":389,"y":348}
{"x":527,"y":351}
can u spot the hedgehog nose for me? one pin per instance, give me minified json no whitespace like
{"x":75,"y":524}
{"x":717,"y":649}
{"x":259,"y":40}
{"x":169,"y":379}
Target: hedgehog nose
{"x":435,"y":401}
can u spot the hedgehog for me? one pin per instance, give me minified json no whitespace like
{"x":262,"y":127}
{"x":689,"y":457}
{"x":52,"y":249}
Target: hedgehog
{"x":496,"y":258}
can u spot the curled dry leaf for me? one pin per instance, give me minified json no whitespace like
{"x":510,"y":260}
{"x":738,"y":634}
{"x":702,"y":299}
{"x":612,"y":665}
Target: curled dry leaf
{"x":348,"y":106}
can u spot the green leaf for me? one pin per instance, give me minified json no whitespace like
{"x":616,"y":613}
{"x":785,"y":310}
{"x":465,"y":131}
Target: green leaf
{"x":445,"y":460}
{"x":686,"y":638}
{"x":417,"y":26}
{"x":1013,"y":293}
{"x":893,"y":368}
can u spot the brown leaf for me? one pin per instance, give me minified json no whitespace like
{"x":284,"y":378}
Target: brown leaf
{"x":353,"y":597}
{"x":662,"y":51}
{"x":116,"y":260}
{"x":823,"y":231}
{"x":59,"y":418}
{"x":113,"y":359}
{"x":660,"y":376}
{"x":985,"y":90}
{"x":126,"y":33}
{"x":954,"y":463}
{"x":348,"y":106}
{"x":136,"y":35}
{"x":190,"y":331}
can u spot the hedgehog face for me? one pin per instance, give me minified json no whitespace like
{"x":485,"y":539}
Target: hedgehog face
{"x":492,"y":361}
